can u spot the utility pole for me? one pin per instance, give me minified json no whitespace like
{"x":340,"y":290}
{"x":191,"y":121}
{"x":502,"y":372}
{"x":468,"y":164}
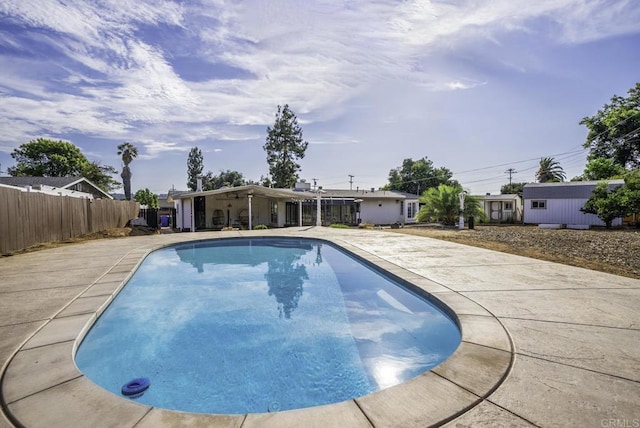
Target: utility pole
{"x":351,"y":181}
{"x":510,"y":171}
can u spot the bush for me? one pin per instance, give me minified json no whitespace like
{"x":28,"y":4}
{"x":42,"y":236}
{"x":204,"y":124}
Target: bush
{"x":260,"y":227}
{"x":365,"y":226}
{"x":339,"y":226}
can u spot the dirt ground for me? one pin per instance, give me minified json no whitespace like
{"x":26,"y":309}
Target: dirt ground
{"x":613,"y":251}
{"x":119,"y":232}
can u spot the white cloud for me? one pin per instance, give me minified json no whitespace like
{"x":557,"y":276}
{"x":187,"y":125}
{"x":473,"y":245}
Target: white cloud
{"x":106,"y":77}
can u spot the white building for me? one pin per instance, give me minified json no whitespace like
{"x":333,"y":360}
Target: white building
{"x":76,"y":187}
{"x":502,"y":208}
{"x":251,"y":205}
{"x":560,"y":203}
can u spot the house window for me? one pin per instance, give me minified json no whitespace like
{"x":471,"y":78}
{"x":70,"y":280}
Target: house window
{"x":402,"y":208}
{"x":539,"y":205}
{"x":508,"y":206}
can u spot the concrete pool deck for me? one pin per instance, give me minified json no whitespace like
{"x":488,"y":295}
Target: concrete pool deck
{"x":543,"y":344}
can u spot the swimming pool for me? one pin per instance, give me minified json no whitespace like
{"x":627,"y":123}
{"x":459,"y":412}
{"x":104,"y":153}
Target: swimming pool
{"x":257,"y":325}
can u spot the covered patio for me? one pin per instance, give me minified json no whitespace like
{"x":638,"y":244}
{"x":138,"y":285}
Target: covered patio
{"x":241,"y":207}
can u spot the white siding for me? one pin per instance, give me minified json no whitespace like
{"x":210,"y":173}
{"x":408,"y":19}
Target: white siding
{"x":562,"y":211}
{"x":183,"y":214}
{"x":385,"y":211}
{"x":282,"y":212}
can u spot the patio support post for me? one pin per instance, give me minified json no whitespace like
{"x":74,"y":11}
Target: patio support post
{"x":318,"y":211}
{"x":250,"y":225}
{"x":300,"y":212}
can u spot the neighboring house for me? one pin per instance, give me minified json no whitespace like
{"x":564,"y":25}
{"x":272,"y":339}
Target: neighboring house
{"x":560,"y":203}
{"x":166,"y":207}
{"x":250,"y":205}
{"x":502,"y":208}
{"x":369,"y":206}
{"x":78,"y":187}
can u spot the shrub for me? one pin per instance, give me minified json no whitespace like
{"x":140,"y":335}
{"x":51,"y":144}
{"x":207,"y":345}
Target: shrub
{"x":260,"y":227}
{"x":365,"y":226}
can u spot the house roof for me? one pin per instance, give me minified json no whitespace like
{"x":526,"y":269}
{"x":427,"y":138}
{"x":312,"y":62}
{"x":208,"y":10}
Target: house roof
{"x":250,"y":189}
{"x":367,"y":194}
{"x":243,"y":191}
{"x":565,"y":190}
{"x":36,"y":181}
{"x":56,"y":182}
{"x":505,"y":197}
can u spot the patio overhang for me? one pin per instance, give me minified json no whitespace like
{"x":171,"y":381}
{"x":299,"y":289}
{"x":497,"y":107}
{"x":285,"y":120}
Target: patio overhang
{"x":254,"y":190}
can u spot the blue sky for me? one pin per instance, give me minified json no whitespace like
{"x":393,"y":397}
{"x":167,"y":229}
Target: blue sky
{"x":475,"y":86}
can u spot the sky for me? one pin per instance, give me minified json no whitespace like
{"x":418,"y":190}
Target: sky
{"x":478,"y":87}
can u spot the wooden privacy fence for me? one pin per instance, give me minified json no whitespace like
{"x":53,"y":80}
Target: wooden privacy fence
{"x":29,"y":218}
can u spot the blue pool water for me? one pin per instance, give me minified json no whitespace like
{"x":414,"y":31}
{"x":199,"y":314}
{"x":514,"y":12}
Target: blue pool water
{"x":257,"y":325}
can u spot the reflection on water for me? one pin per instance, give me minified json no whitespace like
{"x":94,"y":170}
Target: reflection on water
{"x":200,"y":320}
{"x":285,"y":275}
{"x":285,"y":278}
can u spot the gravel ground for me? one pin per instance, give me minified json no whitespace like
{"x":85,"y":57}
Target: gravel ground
{"x":614,"y":251}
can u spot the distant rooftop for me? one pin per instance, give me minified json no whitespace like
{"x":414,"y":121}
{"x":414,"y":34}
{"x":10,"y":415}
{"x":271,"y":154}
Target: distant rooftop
{"x":36,"y":181}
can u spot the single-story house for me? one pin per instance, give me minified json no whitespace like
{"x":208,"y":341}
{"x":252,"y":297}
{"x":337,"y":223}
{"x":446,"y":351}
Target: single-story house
{"x":502,"y":208}
{"x":560,"y":203}
{"x":251,"y":205}
{"x":77,"y":187}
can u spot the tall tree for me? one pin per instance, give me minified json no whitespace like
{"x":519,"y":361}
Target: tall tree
{"x":195,"y":165}
{"x":417,"y":176}
{"x":128,"y":152}
{"x":50,"y":158}
{"x":284,"y":146}
{"x":614,"y":131}
{"x":601,"y":169}
{"x":512,"y":189}
{"x":550,"y":171}
{"x":146,"y":197}
{"x":47,"y":158}
{"x":100,"y":175}
{"x":224,"y":179}
{"x":606,"y":204}
{"x":632,"y":193}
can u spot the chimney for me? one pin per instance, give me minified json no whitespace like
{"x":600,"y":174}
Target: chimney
{"x":199,"y":184}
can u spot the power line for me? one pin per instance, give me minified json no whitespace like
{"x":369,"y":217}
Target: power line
{"x":571,"y":154}
{"x":515,"y":162}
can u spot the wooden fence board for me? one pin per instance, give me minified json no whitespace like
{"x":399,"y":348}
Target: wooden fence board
{"x":30,"y":218}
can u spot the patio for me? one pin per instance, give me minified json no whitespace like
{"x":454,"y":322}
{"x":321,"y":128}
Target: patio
{"x":543,"y":344}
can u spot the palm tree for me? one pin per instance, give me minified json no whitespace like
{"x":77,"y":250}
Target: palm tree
{"x":442,"y":204}
{"x":550,"y":171}
{"x":128,"y":152}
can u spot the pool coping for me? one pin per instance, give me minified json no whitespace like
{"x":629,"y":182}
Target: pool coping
{"x":41,"y":379}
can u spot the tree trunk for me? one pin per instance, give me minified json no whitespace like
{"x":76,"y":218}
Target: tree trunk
{"x":126,"y":182}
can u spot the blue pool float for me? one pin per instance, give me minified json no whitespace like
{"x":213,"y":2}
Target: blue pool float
{"x":136,"y":386}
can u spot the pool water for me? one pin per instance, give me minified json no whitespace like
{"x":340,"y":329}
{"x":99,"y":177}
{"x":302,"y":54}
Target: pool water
{"x":257,"y":325}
